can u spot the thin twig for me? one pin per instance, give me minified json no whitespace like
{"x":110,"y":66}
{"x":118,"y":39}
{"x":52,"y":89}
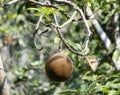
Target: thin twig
{"x":53,"y":6}
{"x":36,"y":31}
{"x":62,"y":38}
{"x":35,"y":38}
{"x":84,"y":19}
{"x":9,"y":3}
{"x":67,"y":22}
{"x":49,"y":5}
{"x":43,"y":4}
{"x":60,"y":45}
{"x":39,"y":21}
{"x":56,"y":25}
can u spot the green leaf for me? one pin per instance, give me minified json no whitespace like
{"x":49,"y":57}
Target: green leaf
{"x":44,"y":10}
{"x":83,"y":87}
{"x":78,"y":46}
{"x":35,"y":63}
{"x":91,"y":86}
{"x":117,"y":9}
{"x":112,"y":92}
{"x":70,"y":42}
{"x":2,"y":30}
{"x":37,"y":14}
{"x":116,"y":55}
{"x":35,"y":9}
{"x":68,"y":91}
{"x":93,"y":62}
{"x":85,"y":77}
{"x":57,"y":40}
{"x":105,"y":90}
{"x":87,"y":51}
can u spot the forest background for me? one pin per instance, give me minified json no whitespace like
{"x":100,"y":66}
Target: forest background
{"x":85,"y":30}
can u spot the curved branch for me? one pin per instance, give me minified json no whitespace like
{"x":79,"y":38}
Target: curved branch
{"x":100,"y":30}
{"x":79,"y":10}
{"x":35,"y":32}
{"x":42,"y":4}
{"x":57,"y":26}
{"x":62,"y":38}
{"x":83,"y":17}
{"x":9,"y":3}
{"x":67,"y":22}
{"x":35,"y":42}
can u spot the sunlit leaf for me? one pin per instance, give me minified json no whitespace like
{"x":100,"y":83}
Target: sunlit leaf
{"x":57,"y":40}
{"x":93,"y":62}
{"x":70,"y":42}
{"x":116,"y":58}
{"x":2,"y":30}
{"x":35,"y":63}
{"x":116,"y":55}
{"x":35,"y":9}
{"x":44,"y":10}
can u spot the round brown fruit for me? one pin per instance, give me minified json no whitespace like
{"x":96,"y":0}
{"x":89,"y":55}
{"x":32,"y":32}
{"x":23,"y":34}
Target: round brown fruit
{"x":58,"y":67}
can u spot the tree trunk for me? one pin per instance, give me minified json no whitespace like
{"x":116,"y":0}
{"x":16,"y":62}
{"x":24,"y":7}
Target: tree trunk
{"x":3,"y":82}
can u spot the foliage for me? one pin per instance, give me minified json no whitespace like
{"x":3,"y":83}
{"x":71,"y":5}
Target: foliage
{"x":24,"y":64}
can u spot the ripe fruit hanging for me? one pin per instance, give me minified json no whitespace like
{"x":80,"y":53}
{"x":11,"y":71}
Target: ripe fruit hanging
{"x":58,"y":67}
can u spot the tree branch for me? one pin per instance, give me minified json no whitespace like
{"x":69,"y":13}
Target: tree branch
{"x":67,"y":22}
{"x":99,"y":29}
{"x":3,"y":82}
{"x":9,"y":3}
{"x":36,"y":31}
{"x":62,"y":38}
{"x":117,"y":30}
{"x":57,"y":26}
{"x":83,"y":17}
{"x":43,"y":4}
